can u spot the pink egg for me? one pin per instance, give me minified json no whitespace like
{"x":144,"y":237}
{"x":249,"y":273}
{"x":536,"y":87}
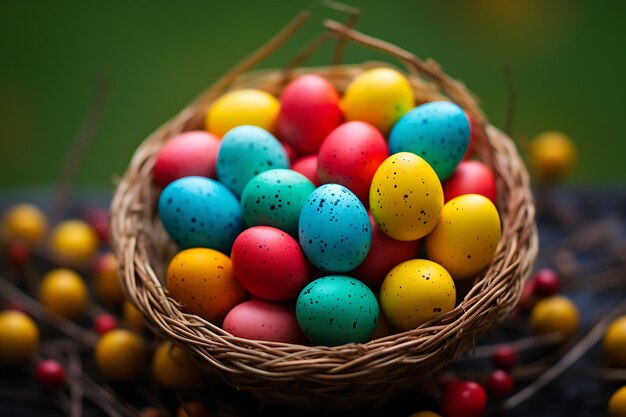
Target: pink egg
{"x":190,"y":153}
{"x":309,"y":111}
{"x":269,"y":263}
{"x":263,"y":320}
{"x":385,"y":254}
{"x":307,"y":166}
{"x":350,"y":156}
{"x":470,"y":177}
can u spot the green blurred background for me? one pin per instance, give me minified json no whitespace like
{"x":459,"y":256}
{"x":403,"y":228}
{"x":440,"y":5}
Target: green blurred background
{"x":567,"y":59}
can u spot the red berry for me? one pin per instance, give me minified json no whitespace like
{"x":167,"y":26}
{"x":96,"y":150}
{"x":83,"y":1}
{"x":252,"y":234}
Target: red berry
{"x":547,"y":282}
{"x":505,"y":357}
{"x":464,"y":399}
{"x":98,"y":219}
{"x":527,"y":299}
{"x":50,"y":374}
{"x":499,"y":384}
{"x":19,"y":253}
{"x":104,"y":323}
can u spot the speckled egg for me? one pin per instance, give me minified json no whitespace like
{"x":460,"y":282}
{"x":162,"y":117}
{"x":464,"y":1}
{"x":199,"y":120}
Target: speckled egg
{"x":406,"y":197}
{"x":438,"y":131}
{"x":203,"y":282}
{"x":465,"y":240}
{"x":275,"y":198}
{"x":334,"y":229}
{"x":350,"y":156}
{"x":246,"y":151}
{"x":336,"y":310}
{"x":416,"y":291}
{"x":269,"y":263}
{"x":200,"y":212}
{"x":263,"y":320}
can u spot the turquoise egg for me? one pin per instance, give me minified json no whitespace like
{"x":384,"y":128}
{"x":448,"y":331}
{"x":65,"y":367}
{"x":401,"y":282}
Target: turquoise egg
{"x":245,"y":152}
{"x":336,"y":310}
{"x":334,"y":229}
{"x":200,"y":212}
{"x":275,"y":198}
{"x":438,"y":132}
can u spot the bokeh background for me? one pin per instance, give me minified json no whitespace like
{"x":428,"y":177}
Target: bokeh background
{"x":566,"y":57}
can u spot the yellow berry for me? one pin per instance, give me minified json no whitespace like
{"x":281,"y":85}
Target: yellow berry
{"x":617,"y":403}
{"x":553,"y":155}
{"x":19,"y":338}
{"x":74,"y":241}
{"x":174,"y":368}
{"x":614,"y":342}
{"x":64,"y":292}
{"x":106,"y":282}
{"x":425,"y":414}
{"x":242,"y":107}
{"x":555,"y":315}
{"x":25,"y":222}
{"x":133,"y":317}
{"x":120,"y":355}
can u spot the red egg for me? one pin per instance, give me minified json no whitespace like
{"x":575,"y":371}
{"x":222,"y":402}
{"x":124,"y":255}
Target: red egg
{"x":190,"y":153}
{"x":264,"y":320}
{"x":470,"y":177}
{"x":292,"y":155}
{"x":309,"y":111}
{"x":385,"y":254}
{"x":307,"y":166}
{"x":269,"y":263}
{"x":350,"y":156}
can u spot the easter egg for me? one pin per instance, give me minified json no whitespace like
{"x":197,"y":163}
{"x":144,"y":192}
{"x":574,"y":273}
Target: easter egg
{"x":385,"y":253}
{"x":64,"y":292}
{"x":242,"y":107}
{"x":437,"y":131}
{"x":275,"y":198}
{"x":106,"y":281}
{"x":25,"y":222}
{"x":203,"y":282}
{"x":74,"y":241}
{"x":335,"y":310}
{"x":470,"y":177}
{"x":19,"y":338}
{"x":379,"y":96}
{"x":466,"y":237}
{"x":132,"y":317}
{"x":614,"y":342}
{"x":174,"y":368}
{"x":307,"y":166}
{"x":350,"y":156}
{"x":263,"y":320}
{"x":552,"y":155}
{"x":334,"y":229}
{"x":200,"y":212}
{"x":617,"y":403}
{"x":269,"y":263}
{"x":406,"y":197}
{"x":555,"y":314}
{"x":120,"y":355}
{"x":191,"y":153}
{"x":246,"y":151}
{"x":309,"y":111}
{"x":416,"y":291}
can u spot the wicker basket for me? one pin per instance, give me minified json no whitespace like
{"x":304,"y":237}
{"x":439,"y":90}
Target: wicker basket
{"x":354,"y":374}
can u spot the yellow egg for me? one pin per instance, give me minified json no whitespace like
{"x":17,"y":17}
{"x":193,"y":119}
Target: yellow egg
{"x":174,"y":368}
{"x":106,"y":282}
{"x":202,"y":280}
{"x":617,"y":403}
{"x":425,"y":414}
{"x":614,"y":342}
{"x":555,"y":315}
{"x":19,"y":338}
{"x":466,"y":237}
{"x":553,"y":155}
{"x":406,"y":197}
{"x":120,"y":355}
{"x":74,"y":241}
{"x":25,"y":222}
{"x":416,"y":291}
{"x":242,"y":107}
{"x":379,"y":97}
{"x":133,"y":317}
{"x":64,"y":292}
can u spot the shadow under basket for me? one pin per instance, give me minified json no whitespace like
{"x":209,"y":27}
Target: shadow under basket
{"x":317,"y":376}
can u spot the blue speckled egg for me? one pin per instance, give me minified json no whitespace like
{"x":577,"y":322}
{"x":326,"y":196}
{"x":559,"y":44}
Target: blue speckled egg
{"x":200,"y":212}
{"x":438,"y":132}
{"x":336,"y":310}
{"x":275,"y":198}
{"x":245,"y":152}
{"x":334,"y":229}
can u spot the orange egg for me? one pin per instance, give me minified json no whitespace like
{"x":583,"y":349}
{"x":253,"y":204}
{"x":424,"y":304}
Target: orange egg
{"x":106,"y":282}
{"x":25,"y":222}
{"x":19,"y":338}
{"x":133,"y":317}
{"x":120,"y":355}
{"x":614,"y":342}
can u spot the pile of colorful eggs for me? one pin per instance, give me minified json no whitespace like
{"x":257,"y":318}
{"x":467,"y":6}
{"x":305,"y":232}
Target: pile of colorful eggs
{"x":317,"y":218}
